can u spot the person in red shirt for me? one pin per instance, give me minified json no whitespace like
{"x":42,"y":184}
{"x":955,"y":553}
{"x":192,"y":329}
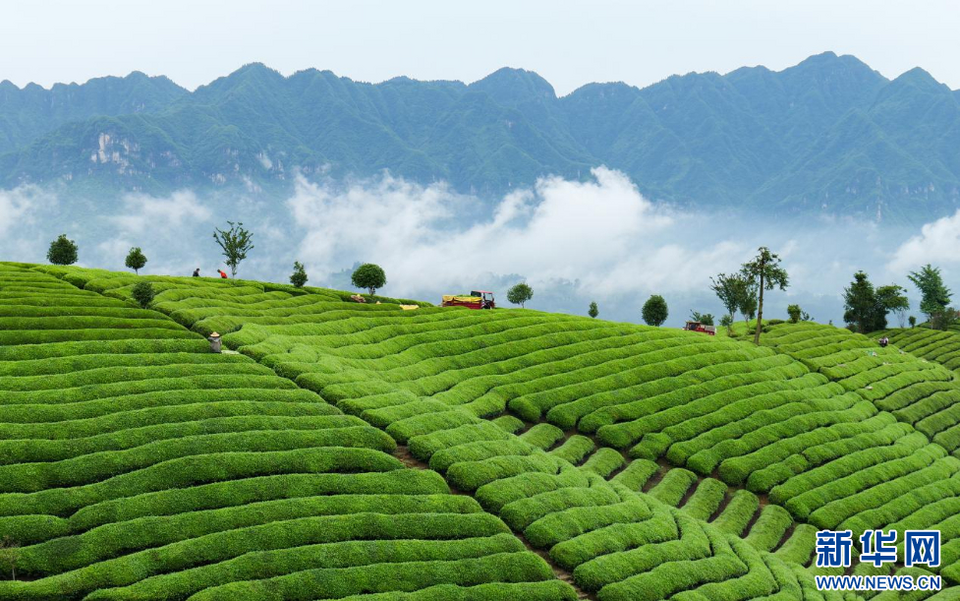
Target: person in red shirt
{"x":223,"y":274}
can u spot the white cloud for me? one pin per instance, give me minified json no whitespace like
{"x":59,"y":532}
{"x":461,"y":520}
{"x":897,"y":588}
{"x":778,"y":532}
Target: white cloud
{"x":22,"y":206}
{"x":602,"y":233}
{"x":142,"y":212}
{"x":25,"y":212}
{"x":938,"y":242}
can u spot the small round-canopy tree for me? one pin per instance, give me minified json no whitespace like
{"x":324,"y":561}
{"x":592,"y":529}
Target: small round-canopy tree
{"x":235,"y":242}
{"x":369,"y":276}
{"x":520,"y":294}
{"x":135,"y":260}
{"x":299,"y":276}
{"x":594,"y":310}
{"x":795,"y":313}
{"x":655,"y":311}
{"x":62,"y":251}
{"x":143,"y":293}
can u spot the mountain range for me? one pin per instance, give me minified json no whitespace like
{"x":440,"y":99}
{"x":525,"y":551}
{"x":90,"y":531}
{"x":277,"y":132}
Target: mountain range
{"x":827,"y":136}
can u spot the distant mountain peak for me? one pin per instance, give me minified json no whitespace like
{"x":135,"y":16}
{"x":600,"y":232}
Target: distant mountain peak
{"x":510,"y":85}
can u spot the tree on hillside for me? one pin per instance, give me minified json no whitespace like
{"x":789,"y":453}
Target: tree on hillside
{"x":655,"y":311}
{"x":913,"y":321}
{"x":143,"y":293}
{"x":369,"y":276}
{"x":135,"y":260}
{"x":9,"y":555}
{"x":795,"y":313}
{"x":935,"y":296}
{"x":63,"y":251}
{"x":748,"y":307}
{"x":235,"y":242}
{"x":704,"y":318}
{"x":866,"y":308}
{"x":894,"y":299}
{"x":520,"y":294}
{"x":299,"y":276}
{"x":733,"y":291}
{"x":765,"y":270}
{"x":861,"y":307}
{"x":594,"y":310}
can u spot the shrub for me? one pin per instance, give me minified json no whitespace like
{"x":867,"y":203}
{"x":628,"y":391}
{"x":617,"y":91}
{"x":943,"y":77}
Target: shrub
{"x":143,"y":293}
{"x":795,"y":313}
{"x":593,"y":311}
{"x":299,"y":276}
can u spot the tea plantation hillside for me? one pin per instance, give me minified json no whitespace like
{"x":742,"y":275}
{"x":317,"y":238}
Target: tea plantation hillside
{"x":933,"y":345}
{"x":136,"y":464}
{"x":641,"y":463}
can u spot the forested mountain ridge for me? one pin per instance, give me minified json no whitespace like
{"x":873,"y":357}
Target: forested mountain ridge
{"x":829,"y":135}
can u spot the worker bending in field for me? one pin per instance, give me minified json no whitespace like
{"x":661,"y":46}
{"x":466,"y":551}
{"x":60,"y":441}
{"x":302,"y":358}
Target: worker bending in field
{"x":196,"y":272}
{"x":223,"y":274}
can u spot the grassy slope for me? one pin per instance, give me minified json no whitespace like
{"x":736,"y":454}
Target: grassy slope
{"x":622,"y":542}
{"x":134,"y":464}
{"x":807,"y":438}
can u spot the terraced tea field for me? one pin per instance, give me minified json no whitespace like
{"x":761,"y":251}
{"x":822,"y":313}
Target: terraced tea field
{"x":136,"y":464}
{"x":639,"y":463}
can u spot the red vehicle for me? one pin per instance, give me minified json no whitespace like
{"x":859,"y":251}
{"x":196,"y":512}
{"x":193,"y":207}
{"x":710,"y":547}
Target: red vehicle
{"x":477,"y":299}
{"x":696,"y":326}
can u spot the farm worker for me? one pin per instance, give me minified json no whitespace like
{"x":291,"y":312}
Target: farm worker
{"x":216,"y":344}
{"x":196,"y":272}
{"x":223,"y":274}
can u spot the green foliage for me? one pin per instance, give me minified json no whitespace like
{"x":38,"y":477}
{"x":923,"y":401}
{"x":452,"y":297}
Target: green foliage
{"x":62,"y":251}
{"x":519,"y":294}
{"x":143,"y":293}
{"x":369,"y":276}
{"x":704,"y":318}
{"x":235,"y":243}
{"x":173,"y":471}
{"x":655,"y":311}
{"x":299,"y":276}
{"x":795,"y":313}
{"x":893,"y":298}
{"x":935,"y":295}
{"x":593,"y":311}
{"x":867,"y":309}
{"x":135,"y":259}
{"x":913,"y":321}
{"x":734,"y":291}
{"x":765,"y":271}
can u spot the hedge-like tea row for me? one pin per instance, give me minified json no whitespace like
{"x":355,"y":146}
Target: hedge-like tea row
{"x":135,"y":464}
{"x":753,"y":416}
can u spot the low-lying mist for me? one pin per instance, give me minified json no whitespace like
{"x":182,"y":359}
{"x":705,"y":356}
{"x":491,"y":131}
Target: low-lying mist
{"x":573,"y":242}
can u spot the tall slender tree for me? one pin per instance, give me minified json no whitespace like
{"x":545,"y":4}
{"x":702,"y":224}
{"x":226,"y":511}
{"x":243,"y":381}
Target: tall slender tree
{"x":235,"y":242}
{"x":766,"y":271}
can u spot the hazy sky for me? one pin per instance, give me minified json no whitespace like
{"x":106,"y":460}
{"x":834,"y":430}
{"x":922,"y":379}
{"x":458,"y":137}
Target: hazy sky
{"x":569,"y":43}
